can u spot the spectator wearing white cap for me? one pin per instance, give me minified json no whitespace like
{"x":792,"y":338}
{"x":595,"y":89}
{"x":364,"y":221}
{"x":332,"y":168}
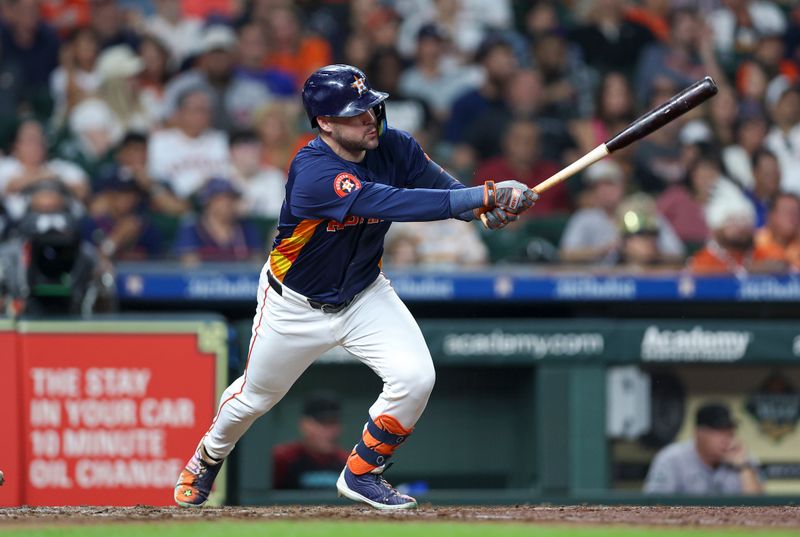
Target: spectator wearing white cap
{"x":783,"y":102}
{"x":118,"y":68}
{"x":94,"y":131}
{"x":592,"y":235}
{"x":234,"y":98}
{"x":730,"y":249}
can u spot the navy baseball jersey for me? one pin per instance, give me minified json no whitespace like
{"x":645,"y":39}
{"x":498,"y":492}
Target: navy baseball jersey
{"x":336,"y":213}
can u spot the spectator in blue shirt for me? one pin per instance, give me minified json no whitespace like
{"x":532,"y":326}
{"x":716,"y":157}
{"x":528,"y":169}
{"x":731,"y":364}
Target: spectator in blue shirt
{"x":252,"y":50}
{"x":118,"y":223}
{"x":218,"y":234}
{"x":496,"y":56}
{"x":29,"y":43}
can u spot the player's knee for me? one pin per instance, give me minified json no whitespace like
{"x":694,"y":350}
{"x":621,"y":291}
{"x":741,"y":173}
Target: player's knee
{"x":415,"y":383}
{"x":426,"y":380}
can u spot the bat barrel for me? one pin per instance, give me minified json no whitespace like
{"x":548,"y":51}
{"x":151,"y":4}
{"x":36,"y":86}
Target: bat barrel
{"x":694,"y":95}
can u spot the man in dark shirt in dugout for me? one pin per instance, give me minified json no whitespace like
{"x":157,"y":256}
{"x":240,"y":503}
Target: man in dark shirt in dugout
{"x":316,"y":459}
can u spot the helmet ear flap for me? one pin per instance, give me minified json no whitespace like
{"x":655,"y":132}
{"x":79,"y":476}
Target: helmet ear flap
{"x":380,"y":116}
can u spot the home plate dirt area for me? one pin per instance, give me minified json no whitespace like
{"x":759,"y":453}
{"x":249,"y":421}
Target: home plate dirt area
{"x":786,"y":517}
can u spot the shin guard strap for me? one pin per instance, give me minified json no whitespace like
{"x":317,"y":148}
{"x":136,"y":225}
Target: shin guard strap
{"x":370,"y":456}
{"x":384,"y":437}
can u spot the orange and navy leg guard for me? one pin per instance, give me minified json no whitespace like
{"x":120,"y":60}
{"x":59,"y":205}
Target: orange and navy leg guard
{"x":381,"y":437}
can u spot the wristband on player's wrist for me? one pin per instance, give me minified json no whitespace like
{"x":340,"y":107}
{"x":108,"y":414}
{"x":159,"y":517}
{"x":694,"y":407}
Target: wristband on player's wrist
{"x":466,"y":199}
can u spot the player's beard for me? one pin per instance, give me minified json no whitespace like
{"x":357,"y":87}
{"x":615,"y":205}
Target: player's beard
{"x":354,"y":145}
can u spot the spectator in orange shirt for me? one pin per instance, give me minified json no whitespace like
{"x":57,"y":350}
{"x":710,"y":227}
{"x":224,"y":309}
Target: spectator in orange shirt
{"x":290,"y":51}
{"x":65,"y":15}
{"x":204,"y":9}
{"x":781,"y":235}
{"x":653,"y":15}
{"x":731,"y":250}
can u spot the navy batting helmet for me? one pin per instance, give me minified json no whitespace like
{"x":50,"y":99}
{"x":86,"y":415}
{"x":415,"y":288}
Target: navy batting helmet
{"x":342,"y":91}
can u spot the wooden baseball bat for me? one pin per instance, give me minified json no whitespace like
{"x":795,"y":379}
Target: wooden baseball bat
{"x":679,"y":104}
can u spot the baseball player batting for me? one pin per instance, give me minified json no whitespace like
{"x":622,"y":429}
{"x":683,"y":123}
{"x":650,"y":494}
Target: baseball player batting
{"x":323,"y":286}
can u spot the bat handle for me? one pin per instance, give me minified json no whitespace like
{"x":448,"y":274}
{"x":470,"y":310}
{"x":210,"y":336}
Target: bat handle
{"x":579,"y":165}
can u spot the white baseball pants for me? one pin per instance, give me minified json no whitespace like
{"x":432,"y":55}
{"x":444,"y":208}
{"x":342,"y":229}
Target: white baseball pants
{"x":288,"y":335}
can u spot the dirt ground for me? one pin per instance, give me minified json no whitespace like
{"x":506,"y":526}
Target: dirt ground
{"x":762,"y":517}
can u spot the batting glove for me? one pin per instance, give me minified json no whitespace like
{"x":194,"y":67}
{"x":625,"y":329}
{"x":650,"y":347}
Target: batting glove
{"x":503,"y":203}
{"x":497,"y":218}
{"x":513,"y":196}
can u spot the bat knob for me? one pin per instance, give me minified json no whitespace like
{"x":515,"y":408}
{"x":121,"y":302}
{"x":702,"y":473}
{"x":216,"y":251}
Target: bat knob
{"x":712,"y":86}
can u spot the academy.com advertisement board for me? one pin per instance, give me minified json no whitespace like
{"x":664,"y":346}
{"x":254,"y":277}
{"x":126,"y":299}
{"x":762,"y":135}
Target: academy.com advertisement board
{"x":622,"y":341}
{"x":111,"y":412}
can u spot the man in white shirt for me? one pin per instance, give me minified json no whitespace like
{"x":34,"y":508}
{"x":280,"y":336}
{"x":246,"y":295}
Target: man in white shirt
{"x":186,"y":155}
{"x":783,"y":100}
{"x":180,"y":33}
{"x":263,"y":187}
{"x":593,"y":235}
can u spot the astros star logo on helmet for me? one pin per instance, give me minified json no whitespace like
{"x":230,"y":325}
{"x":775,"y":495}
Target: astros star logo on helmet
{"x":345,"y":183}
{"x":359,"y":85}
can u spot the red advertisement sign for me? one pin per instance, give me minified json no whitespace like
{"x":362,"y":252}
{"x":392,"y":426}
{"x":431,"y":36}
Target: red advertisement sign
{"x":10,"y":451}
{"x":110,"y":418}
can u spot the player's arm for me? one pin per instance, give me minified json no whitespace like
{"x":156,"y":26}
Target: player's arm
{"x":434,"y":176}
{"x":375,"y":200}
{"x":321,"y":199}
{"x":425,"y":173}
{"x":420,"y":204}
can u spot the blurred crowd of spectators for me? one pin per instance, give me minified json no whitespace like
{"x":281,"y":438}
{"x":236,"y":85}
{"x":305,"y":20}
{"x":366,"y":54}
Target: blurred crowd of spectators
{"x":163,"y":129}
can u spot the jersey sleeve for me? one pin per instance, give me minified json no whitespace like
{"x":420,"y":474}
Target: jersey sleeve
{"x":421,"y":171}
{"x":402,"y":204}
{"x":322,"y":189}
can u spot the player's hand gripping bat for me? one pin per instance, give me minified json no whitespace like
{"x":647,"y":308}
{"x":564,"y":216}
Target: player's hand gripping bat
{"x":689,"y":98}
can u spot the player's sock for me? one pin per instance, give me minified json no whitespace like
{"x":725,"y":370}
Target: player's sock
{"x":207,"y":456}
{"x":380,"y":438}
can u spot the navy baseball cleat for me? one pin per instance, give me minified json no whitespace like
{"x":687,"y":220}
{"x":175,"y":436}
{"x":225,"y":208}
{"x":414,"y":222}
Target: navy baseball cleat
{"x":195,"y":482}
{"x":372,"y":489}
